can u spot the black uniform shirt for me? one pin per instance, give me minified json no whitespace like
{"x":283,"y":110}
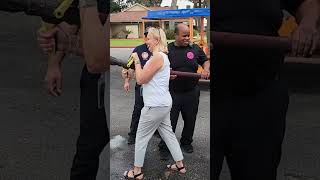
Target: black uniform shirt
{"x":185,"y":59}
{"x":143,"y":53}
{"x":241,"y":70}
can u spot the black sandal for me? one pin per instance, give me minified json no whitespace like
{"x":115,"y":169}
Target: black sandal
{"x":134,"y":176}
{"x":176,"y":168}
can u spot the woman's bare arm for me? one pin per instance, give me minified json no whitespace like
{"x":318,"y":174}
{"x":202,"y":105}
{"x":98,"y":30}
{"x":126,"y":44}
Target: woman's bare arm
{"x":94,"y":40}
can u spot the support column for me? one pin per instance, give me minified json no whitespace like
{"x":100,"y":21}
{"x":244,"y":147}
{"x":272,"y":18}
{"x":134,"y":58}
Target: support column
{"x":143,"y":28}
{"x":191,"y":27}
{"x":202,"y":32}
{"x":162,"y":25}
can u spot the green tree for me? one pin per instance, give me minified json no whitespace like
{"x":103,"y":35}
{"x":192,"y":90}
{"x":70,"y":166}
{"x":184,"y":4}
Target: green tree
{"x":201,"y":3}
{"x":117,"y":6}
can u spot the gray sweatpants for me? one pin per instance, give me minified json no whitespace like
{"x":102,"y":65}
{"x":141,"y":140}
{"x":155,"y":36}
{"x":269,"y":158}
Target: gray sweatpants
{"x":151,"y":119}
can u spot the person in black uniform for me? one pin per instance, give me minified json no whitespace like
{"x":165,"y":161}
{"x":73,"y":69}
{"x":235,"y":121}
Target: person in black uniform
{"x":185,"y":91}
{"x":94,"y":133}
{"x":249,"y":100}
{"x":42,"y":8}
{"x":144,"y":55}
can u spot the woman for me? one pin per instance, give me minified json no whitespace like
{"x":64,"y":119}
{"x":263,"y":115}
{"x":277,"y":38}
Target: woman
{"x":154,"y":78}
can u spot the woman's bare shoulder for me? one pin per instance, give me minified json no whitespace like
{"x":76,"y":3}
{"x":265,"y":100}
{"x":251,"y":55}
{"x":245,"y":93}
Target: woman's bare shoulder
{"x":157,"y":55}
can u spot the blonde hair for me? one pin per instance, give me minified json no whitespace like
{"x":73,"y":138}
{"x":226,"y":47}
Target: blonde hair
{"x":160,"y":35}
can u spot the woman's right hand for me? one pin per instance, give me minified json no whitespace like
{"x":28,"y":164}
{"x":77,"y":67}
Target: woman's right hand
{"x":62,"y":32}
{"x":126,"y":86}
{"x":124,"y":73}
{"x":46,"y":40}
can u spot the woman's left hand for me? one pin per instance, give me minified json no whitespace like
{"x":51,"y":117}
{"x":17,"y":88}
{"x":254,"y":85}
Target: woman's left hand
{"x":135,"y":57}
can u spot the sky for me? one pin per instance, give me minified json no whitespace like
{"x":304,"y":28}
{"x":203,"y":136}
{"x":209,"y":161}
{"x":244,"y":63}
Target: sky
{"x":165,"y":2}
{"x":181,"y":3}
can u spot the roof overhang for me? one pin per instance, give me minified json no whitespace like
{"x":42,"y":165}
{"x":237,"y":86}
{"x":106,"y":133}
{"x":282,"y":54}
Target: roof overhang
{"x":177,"y":13}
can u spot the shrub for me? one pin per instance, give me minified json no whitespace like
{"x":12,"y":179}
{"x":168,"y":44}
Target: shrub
{"x":169,"y":34}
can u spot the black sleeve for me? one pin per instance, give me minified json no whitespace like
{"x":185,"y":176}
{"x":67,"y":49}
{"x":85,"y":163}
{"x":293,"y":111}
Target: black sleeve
{"x":9,"y":6}
{"x":43,"y":9}
{"x":135,"y":50}
{"x":103,"y":6}
{"x":104,"y":10}
{"x":202,"y":57}
{"x":291,"y":5}
{"x":170,"y":46}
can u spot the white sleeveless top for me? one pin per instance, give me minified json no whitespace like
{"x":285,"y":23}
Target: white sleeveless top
{"x":156,"y":91}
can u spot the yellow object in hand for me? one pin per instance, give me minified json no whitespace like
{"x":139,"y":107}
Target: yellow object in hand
{"x":62,"y":8}
{"x":45,"y":27}
{"x":58,"y":13}
{"x":130,"y":61}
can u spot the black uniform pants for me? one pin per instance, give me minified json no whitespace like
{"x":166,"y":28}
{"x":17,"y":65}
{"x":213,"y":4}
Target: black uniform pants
{"x":94,"y":133}
{"x":248,"y":132}
{"x":138,"y":105}
{"x":187,"y":103}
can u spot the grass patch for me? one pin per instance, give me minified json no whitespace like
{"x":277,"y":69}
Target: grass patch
{"x":125,"y":42}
